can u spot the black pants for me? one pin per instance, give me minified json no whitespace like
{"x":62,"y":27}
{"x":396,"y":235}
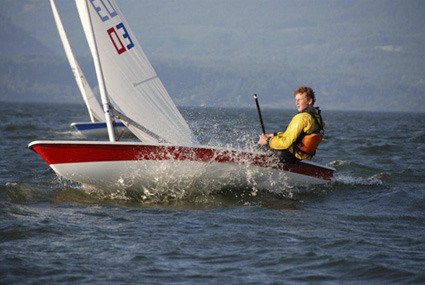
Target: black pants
{"x":285,"y":156}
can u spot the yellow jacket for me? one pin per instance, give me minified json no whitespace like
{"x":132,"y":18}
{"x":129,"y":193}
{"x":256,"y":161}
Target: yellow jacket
{"x":300,"y":123}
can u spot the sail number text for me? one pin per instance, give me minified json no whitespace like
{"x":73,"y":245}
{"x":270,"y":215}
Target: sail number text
{"x":118,"y":33}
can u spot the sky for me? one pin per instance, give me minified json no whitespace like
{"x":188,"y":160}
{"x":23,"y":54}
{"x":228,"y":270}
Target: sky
{"x":350,"y":52}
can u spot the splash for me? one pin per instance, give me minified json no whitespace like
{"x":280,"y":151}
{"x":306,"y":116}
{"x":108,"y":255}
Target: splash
{"x":168,"y":179}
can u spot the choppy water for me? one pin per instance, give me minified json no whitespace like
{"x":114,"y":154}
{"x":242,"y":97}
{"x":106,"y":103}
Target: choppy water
{"x":366,"y":227}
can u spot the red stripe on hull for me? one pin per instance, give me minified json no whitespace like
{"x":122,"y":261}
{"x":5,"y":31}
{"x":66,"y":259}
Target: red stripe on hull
{"x":57,"y":153}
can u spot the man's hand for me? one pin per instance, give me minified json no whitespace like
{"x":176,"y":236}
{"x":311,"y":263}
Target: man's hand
{"x":263,"y":138}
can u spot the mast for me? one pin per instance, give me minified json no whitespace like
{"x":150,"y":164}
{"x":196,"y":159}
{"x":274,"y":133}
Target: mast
{"x":100,"y":78}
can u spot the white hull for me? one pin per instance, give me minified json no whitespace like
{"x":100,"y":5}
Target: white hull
{"x":178,"y":175}
{"x":117,"y":165}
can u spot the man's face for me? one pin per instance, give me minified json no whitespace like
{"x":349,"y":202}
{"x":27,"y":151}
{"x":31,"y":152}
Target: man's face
{"x":302,"y":102}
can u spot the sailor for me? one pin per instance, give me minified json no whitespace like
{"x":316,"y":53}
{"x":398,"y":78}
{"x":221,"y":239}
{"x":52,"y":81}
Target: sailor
{"x":303,"y":134}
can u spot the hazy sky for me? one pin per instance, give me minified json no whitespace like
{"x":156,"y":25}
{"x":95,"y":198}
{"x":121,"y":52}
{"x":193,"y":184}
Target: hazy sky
{"x":350,"y":51}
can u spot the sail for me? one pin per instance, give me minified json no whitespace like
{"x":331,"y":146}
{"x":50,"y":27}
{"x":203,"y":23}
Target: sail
{"x":93,"y":106}
{"x":132,"y":85}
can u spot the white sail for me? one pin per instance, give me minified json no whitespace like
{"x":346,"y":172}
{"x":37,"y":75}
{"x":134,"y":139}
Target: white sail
{"x":132,"y":85}
{"x":93,"y":106}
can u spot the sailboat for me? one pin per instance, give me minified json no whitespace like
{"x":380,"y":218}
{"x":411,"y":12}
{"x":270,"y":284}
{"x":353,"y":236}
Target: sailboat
{"x":131,"y":90}
{"x":97,"y":125}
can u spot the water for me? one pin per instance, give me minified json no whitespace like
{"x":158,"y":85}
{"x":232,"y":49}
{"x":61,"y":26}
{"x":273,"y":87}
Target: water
{"x":365,"y":227}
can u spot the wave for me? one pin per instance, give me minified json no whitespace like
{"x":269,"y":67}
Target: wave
{"x":353,"y":167}
{"x":16,"y":192}
{"x":353,"y":173}
{"x":22,"y":193}
{"x":378,"y":149}
{"x":12,"y":127}
{"x":358,"y":181}
{"x":419,"y":138}
{"x":196,"y":196}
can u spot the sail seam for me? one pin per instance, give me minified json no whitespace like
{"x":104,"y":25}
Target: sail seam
{"x":146,"y":80}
